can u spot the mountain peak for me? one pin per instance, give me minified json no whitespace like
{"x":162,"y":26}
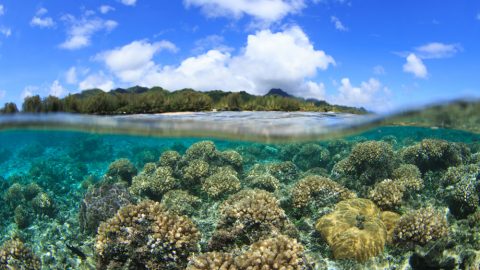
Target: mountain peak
{"x":278,"y":92}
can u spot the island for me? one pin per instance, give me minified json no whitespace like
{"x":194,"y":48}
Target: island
{"x":143,"y":100}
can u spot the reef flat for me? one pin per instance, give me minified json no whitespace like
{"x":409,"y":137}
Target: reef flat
{"x":388,"y":198}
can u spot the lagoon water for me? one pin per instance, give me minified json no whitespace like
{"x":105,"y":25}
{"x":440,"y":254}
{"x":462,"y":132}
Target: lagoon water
{"x":242,"y":190}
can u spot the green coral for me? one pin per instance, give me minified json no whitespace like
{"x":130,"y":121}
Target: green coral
{"x":153,"y":181}
{"x":285,"y":171}
{"x":409,"y":176}
{"x":169,"y":159}
{"x":310,"y":156}
{"x":121,"y":170}
{"x":145,"y":236}
{"x":43,"y":204}
{"x":259,"y":177}
{"x":181,"y":202}
{"x":223,"y":182}
{"x":387,"y":195}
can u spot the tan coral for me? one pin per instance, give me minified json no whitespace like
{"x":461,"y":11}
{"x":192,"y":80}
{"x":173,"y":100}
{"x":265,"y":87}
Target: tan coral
{"x":15,"y":255}
{"x":420,"y":227}
{"x":409,"y":176}
{"x":153,"y":182}
{"x":390,"y":219}
{"x":354,"y":230}
{"x":314,"y":186}
{"x":213,"y":261}
{"x":281,"y":252}
{"x":223,"y":182}
{"x":387,"y":194}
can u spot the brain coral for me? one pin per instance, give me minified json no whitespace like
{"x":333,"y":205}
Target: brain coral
{"x":100,"y":204}
{"x":420,"y":227}
{"x":145,"y":236}
{"x":354,"y":230}
{"x":15,"y":255}
{"x":314,"y":187}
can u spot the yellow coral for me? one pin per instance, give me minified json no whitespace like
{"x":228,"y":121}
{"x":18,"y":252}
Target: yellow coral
{"x":354,"y":230}
{"x":212,"y":261}
{"x":390,"y":219}
{"x":387,"y":194}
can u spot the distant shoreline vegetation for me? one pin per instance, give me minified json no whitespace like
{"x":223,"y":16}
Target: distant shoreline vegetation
{"x":141,"y":100}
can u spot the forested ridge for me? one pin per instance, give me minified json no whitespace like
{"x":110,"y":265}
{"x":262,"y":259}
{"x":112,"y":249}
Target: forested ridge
{"x":139,"y":99}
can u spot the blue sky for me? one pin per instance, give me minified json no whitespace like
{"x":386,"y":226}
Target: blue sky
{"x":378,"y":54}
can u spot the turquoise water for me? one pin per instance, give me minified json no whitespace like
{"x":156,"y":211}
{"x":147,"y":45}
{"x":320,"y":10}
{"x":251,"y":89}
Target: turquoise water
{"x":380,"y":197}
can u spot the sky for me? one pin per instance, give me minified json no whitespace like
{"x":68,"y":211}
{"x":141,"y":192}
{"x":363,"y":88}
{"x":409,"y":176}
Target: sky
{"x":381,"y":55}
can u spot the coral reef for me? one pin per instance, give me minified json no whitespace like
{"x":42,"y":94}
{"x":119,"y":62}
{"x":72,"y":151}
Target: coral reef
{"x":213,"y":261}
{"x":153,"y":181}
{"x":354,"y":230}
{"x":431,"y":154}
{"x":121,"y":170}
{"x":101,"y":203}
{"x":368,"y":163}
{"x":420,"y":227}
{"x":181,"y":202}
{"x":260,"y":177}
{"x":15,"y":255}
{"x":221,"y":183}
{"x":320,"y":189}
{"x":145,"y":236}
{"x":248,"y":216}
{"x":409,"y":176}
{"x":387,"y":195}
{"x":169,"y":159}
{"x":310,"y":156}
{"x":286,"y":171}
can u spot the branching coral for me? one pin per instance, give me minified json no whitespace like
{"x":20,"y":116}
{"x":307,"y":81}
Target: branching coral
{"x":221,"y":183}
{"x":248,"y":216}
{"x":43,"y":204}
{"x":180,"y":202}
{"x":213,"y":261}
{"x":319,"y":189}
{"x":169,"y":159}
{"x":101,"y":203}
{"x":458,"y":173}
{"x":259,"y":177}
{"x":354,"y":230}
{"x":145,"y":236}
{"x":153,"y":181}
{"x":430,"y":154}
{"x":420,"y":227}
{"x":311,"y":155}
{"x":463,"y":199}
{"x":369,"y":162}
{"x":121,"y":170}
{"x":279,"y":252}
{"x":286,"y":171}
{"x":409,"y":176}
{"x":15,"y":255}
{"x":387,"y":194}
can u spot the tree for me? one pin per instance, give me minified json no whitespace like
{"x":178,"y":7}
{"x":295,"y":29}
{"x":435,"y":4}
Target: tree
{"x":32,"y":104}
{"x":9,"y":108}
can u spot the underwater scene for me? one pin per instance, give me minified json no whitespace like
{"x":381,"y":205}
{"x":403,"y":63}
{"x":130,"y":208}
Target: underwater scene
{"x":386,"y":197}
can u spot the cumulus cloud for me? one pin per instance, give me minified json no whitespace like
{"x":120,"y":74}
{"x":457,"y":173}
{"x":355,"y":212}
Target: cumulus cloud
{"x":338,"y":24}
{"x":71,"y":75}
{"x":2,"y":10}
{"x":56,"y":89}
{"x":80,"y":31}
{"x":97,"y":80}
{"x":29,"y":91}
{"x":283,"y":59}
{"x":207,"y":43}
{"x":104,"y":9}
{"x":437,"y":50}
{"x":264,"y":10}
{"x":129,"y":2}
{"x":5,"y":31}
{"x":133,"y":61}
{"x":370,"y":94}
{"x":41,"y":20}
{"x":415,"y":66}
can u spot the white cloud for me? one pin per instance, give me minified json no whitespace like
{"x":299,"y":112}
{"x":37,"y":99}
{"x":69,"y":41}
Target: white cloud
{"x":338,"y":24}
{"x":283,"y":59}
{"x":29,"y":91}
{"x":104,"y":9}
{"x":71,"y":76}
{"x":41,"y":21}
{"x":215,"y":42}
{"x":379,"y":70}
{"x":56,"y":89}
{"x":5,"y":31}
{"x":415,"y":66}
{"x":437,"y":50}
{"x":99,"y":80}
{"x":129,"y":2}
{"x":2,"y":10}
{"x":370,"y":94}
{"x":80,"y":31}
{"x":131,"y":62}
{"x":265,"y":10}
